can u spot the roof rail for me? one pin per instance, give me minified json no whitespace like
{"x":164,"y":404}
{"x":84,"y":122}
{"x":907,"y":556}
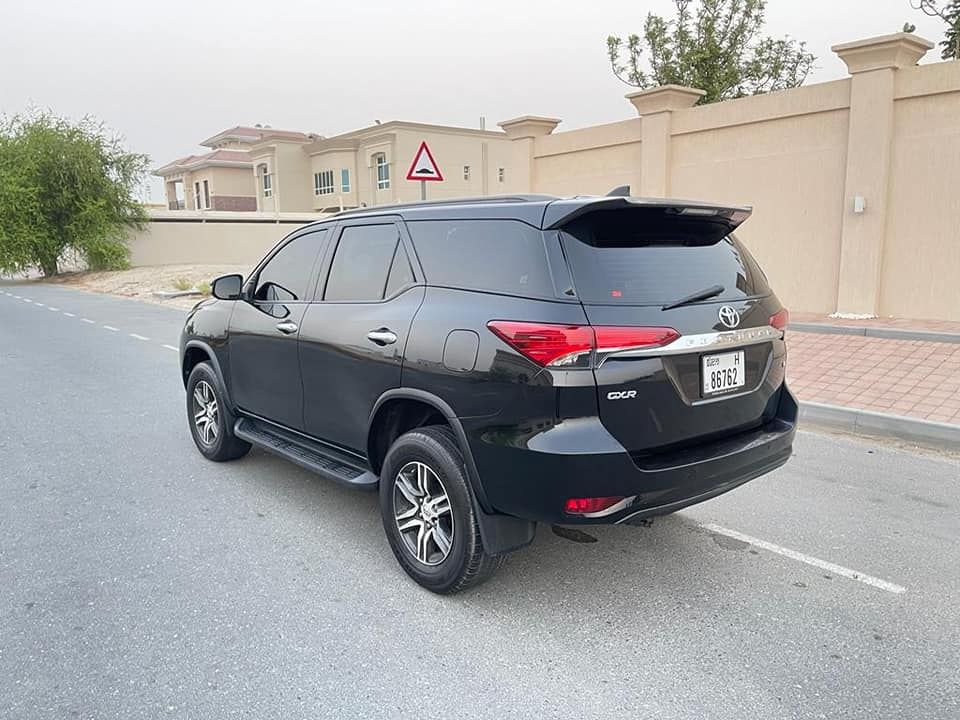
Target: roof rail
{"x":452,"y":201}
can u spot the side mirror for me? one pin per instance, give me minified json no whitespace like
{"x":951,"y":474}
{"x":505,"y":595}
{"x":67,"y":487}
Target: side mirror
{"x":227,"y":287}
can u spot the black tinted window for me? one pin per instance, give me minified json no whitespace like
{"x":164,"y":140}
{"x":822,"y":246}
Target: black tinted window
{"x":360,"y":267}
{"x":505,"y":256}
{"x":612,"y":264}
{"x":284,"y":278}
{"x":400,"y":272}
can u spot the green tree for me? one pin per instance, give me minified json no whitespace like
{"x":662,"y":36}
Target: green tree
{"x":950,"y":14}
{"x":716,"y":46}
{"x":65,"y":186}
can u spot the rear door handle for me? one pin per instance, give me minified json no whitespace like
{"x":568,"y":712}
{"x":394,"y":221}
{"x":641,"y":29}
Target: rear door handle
{"x":287,"y":327}
{"x":382,"y":336}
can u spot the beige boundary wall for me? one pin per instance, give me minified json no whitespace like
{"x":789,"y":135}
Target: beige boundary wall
{"x":212,"y":238}
{"x":889,"y":134}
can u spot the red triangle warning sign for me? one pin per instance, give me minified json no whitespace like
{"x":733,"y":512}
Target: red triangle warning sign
{"x":424,"y":167}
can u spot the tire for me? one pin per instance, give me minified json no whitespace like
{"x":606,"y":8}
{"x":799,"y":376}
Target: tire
{"x":213,"y":434}
{"x":464,"y":563}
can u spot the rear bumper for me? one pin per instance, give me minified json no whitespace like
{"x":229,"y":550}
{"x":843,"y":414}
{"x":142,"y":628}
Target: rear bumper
{"x":530,"y":474}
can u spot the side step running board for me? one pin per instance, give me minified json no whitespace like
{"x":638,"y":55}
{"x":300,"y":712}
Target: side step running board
{"x":325,"y":461}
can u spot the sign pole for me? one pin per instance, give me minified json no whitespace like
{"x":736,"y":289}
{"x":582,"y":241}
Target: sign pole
{"x":423,"y":189}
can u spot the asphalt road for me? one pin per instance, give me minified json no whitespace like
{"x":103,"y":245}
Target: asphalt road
{"x":138,"y":580}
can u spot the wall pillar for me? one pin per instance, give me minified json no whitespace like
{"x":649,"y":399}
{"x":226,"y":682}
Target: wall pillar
{"x":524,"y":131}
{"x":655,"y":106}
{"x":872,"y":64}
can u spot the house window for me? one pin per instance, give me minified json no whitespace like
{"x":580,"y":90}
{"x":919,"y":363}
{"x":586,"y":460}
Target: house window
{"x":323,"y":183}
{"x":500,"y":174}
{"x":466,"y":172}
{"x":344,"y":181}
{"x":383,"y":172}
{"x":206,"y":194}
{"x":196,"y":196}
{"x":266,"y":181}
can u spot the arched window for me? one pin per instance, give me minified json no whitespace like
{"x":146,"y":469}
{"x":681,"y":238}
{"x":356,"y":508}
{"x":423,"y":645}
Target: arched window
{"x":383,"y":171}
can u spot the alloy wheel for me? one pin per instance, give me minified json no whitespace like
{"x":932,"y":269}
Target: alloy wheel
{"x":205,"y":412}
{"x":423,"y":514}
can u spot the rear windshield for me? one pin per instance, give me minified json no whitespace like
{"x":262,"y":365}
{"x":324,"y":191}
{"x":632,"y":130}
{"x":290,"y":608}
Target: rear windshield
{"x":615,"y":262}
{"x":502,"y":256}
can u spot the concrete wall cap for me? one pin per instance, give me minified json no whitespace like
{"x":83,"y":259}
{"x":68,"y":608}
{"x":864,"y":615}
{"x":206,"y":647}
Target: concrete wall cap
{"x":528,"y":126}
{"x":664,"y":98}
{"x":895,"y":51}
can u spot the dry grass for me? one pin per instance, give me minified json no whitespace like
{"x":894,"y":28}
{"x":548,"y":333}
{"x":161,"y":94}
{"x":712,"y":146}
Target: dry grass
{"x":140,"y":283}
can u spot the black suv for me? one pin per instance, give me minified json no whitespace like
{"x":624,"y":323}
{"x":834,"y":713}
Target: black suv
{"x":492,"y":363}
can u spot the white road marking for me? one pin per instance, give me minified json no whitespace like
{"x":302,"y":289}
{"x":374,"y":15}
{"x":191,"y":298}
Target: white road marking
{"x":171,"y":347}
{"x":111,"y":328}
{"x":808,"y":559}
{"x":68,"y":314}
{"x":53,"y":309}
{"x":88,"y":320}
{"x":27,"y":300}
{"x":17,"y":297}
{"x":138,"y":337}
{"x":38,"y":304}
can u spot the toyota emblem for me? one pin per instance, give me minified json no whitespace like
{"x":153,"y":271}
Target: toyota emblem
{"x":729,"y":316}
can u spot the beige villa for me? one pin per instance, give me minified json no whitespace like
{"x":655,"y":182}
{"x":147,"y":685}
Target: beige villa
{"x":221,"y":179}
{"x":269,"y":170}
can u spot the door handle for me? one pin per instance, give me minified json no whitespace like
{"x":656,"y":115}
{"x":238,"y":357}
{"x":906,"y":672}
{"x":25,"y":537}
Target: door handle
{"x":287,"y":327}
{"x":382,"y":336}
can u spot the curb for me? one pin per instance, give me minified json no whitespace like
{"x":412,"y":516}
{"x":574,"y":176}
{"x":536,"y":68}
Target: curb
{"x":884,"y":333}
{"x":866,"y":422}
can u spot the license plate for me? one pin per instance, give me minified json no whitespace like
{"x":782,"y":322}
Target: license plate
{"x":722,"y":373}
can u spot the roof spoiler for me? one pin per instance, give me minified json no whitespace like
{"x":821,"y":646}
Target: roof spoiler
{"x":562,"y":212}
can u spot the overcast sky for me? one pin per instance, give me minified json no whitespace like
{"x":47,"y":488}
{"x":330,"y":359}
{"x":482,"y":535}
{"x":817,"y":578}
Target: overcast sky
{"x":169,"y":74}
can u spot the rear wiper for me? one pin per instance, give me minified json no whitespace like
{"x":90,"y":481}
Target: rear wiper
{"x":704,"y":294}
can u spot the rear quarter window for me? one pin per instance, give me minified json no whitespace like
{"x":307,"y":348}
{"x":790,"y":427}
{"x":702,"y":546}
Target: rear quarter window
{"x":502,"y":256}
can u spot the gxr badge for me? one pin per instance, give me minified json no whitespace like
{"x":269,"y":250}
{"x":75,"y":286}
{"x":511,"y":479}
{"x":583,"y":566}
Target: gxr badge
{"x":621,"y":394}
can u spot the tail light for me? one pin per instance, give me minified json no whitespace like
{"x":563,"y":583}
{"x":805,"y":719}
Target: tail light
{"x":780,"y":319}
{"x":589,"y":505}
{"x":572,"y":345}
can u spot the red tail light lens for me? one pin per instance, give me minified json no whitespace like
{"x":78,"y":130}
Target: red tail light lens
{"x":546,"y":344}
{"x":585,"y":506}
{"x":572,"y":345}
{"x":781,"y":319}
{"x":612,"y":338}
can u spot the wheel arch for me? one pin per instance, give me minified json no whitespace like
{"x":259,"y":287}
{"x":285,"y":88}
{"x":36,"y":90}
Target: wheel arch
{"x":197,"y":351}
{"x":442,"y":408}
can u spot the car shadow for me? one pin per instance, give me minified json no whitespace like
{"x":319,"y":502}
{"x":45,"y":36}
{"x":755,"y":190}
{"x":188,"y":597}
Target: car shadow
{"x":673,"y":560}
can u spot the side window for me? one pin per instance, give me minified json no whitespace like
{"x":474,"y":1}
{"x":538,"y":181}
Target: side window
{"x":401,"y":273}
{"x":504,"y":256}
{"x":360,"y":267}
{"x":284,"y":278}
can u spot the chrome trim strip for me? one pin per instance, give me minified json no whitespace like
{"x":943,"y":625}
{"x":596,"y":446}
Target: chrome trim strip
{"x":698,"y":343}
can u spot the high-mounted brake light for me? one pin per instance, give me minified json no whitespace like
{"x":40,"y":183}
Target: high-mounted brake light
{"x":572,"y":345}
{"x":780,"y":320}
